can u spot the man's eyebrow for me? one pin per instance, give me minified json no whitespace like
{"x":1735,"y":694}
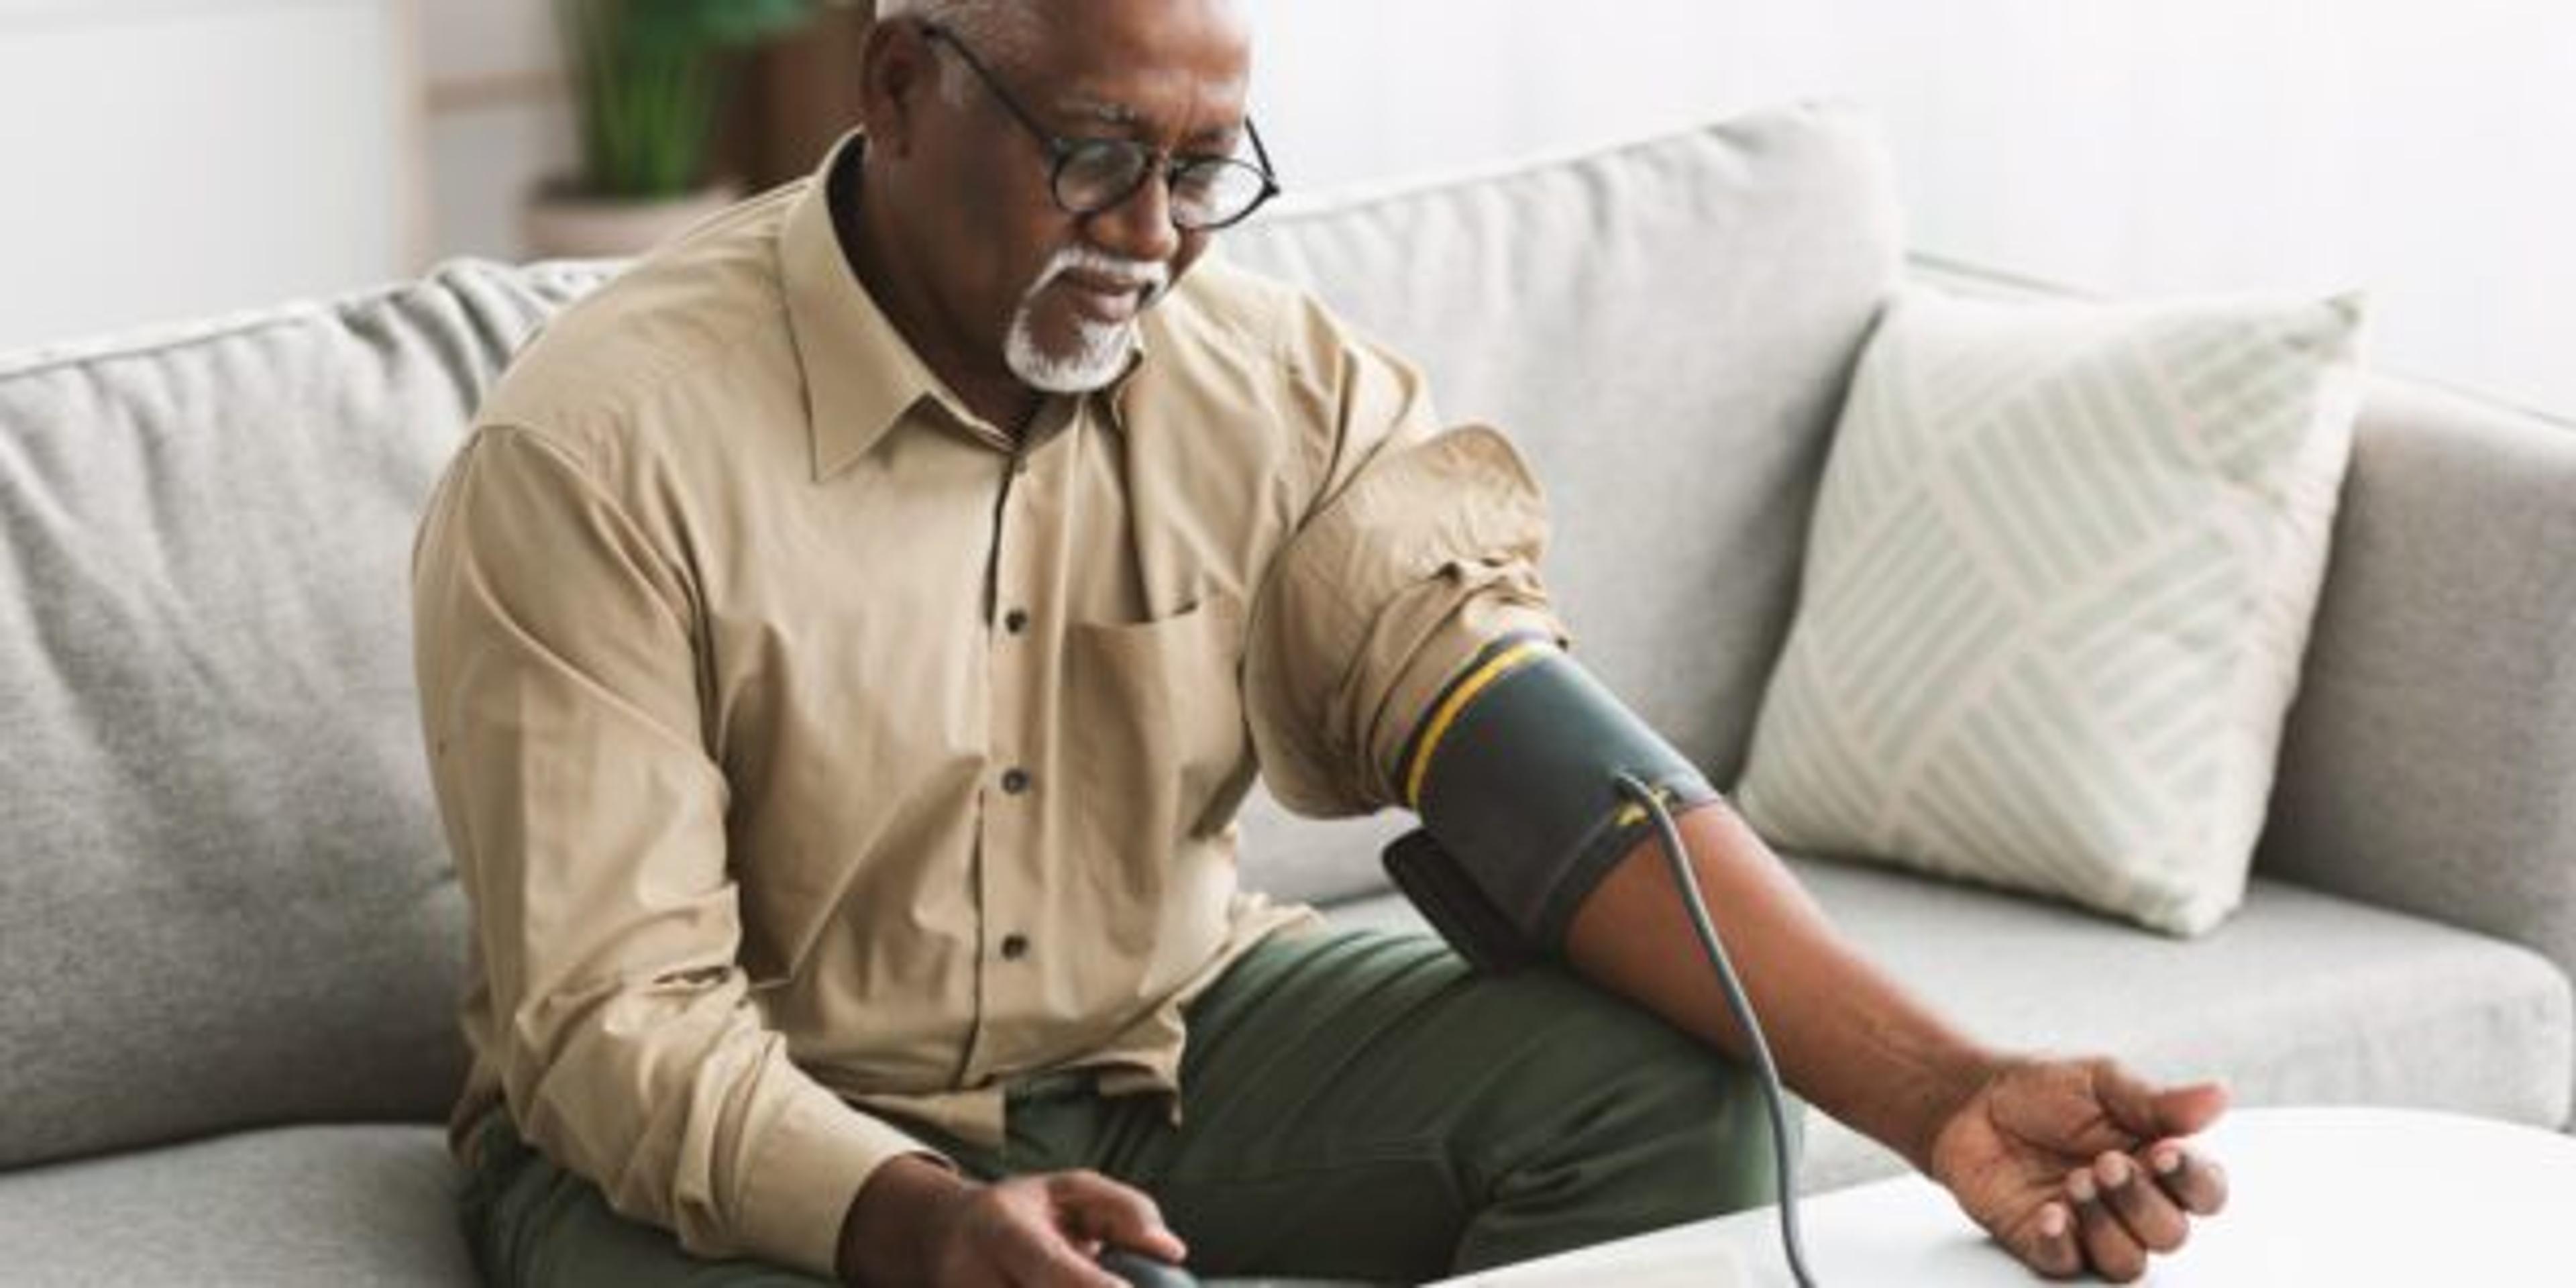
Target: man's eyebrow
{"x":1230,"y":134}
{"x":1099,"y":110}
{"x":1120,"y":116}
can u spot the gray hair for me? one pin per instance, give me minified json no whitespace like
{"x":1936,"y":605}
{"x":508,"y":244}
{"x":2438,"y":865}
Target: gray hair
{"x":999,"y":31}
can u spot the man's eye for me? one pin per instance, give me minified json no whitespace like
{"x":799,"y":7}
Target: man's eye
{"x":1100,"y":156}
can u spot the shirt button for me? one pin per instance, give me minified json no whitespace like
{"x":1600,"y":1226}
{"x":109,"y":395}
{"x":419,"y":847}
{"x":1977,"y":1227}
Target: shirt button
{"x":1015,"y":947}
{"x":1015,"y":780}
{"x":1016,"y":620}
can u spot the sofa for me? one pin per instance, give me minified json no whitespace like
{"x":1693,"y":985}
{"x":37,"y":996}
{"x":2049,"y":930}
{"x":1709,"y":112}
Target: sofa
{"x":233,"y":936}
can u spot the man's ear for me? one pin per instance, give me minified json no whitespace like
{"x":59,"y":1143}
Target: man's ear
{"x":898,"y":72}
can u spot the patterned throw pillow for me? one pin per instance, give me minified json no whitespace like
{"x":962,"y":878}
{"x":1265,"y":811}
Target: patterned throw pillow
{"x":2056,"y":592}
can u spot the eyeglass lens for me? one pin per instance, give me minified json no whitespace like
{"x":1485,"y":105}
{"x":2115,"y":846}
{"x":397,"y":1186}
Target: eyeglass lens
{"x":1097,"y":174}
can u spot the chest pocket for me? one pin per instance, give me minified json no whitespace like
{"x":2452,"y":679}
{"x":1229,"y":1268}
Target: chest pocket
{"x":1156,"y":730}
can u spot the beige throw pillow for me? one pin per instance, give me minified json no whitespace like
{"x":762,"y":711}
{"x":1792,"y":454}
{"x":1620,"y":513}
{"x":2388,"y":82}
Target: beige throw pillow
{"x":2056,"y":594}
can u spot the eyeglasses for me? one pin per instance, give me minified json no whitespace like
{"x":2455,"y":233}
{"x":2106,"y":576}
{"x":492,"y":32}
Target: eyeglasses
{"x":1093,"y":175}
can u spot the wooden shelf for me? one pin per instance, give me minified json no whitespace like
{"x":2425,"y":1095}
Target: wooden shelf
{"x":797,"y":96}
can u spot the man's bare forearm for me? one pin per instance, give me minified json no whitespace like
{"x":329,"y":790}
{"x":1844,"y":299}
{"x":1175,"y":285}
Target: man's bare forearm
{"x":1845,"y":1035}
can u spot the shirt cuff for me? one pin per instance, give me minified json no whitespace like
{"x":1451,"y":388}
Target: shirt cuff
{"x":808,"y":1172}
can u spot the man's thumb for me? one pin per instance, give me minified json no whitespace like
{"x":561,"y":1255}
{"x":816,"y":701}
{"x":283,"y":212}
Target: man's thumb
{"x":2173,"y":1111}
{"x":2151,"y":1112}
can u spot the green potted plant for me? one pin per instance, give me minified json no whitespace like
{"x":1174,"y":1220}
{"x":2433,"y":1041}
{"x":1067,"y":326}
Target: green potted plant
{"x":648,"y":80}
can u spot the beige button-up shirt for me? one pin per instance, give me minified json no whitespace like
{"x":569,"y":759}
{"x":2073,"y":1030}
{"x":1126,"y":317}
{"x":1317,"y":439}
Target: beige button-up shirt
{"x":816,"y":755}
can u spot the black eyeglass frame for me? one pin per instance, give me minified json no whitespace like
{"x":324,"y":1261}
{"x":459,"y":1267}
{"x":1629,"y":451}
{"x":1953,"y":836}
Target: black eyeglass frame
{"x":1064,"y":151}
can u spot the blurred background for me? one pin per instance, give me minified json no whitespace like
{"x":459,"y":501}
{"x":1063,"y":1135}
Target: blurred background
{"x":165,"y":159}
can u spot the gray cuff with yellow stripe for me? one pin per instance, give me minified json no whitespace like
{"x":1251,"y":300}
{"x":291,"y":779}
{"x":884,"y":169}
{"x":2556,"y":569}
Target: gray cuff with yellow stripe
{"x":1514,"y":774}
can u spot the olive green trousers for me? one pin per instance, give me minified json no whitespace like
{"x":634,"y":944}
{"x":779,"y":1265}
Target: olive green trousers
{"x":1359,"y":1106}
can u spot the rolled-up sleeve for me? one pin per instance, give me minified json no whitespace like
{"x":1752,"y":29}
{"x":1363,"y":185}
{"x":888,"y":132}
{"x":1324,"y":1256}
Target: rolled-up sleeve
{"x":1425,"y":551}
{"x":560,"y":699}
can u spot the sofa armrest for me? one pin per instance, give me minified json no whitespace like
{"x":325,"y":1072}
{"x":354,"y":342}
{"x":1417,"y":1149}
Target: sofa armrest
{"x":2430,"y":761}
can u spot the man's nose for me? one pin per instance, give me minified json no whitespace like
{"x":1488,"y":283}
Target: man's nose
{"x":1141,"y":226}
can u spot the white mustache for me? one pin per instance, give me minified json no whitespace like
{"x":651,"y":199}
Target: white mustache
{"x":1153,"y":277}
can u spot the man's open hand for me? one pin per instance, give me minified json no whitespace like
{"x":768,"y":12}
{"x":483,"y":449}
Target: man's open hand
{"x":918,"y":1223}
{"x":2077,"y":1165}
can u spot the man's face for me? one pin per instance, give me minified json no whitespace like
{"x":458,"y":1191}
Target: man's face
{"x":1051,"y":295}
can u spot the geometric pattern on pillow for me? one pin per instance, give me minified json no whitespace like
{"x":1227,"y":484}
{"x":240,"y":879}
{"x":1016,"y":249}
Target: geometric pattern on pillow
{"x":2056,"y":593}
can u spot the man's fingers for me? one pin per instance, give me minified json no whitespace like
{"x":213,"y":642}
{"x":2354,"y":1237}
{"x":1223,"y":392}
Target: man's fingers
{"x":1038,"y":1255}
{"x":2194,"y":1181}
{"x":2108,"y":1245}
{"x":2046,"y":1242}
{"x":2143,"y":1208}
{"x":1096,"y":1207}
{"x":1029,"y":1232}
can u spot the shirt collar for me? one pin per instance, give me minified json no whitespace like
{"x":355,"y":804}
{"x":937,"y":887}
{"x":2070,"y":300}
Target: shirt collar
{"x":861,"y":377}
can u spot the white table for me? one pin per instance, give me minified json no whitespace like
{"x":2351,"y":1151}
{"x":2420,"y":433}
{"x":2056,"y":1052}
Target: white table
{"x":2326,"y":1197}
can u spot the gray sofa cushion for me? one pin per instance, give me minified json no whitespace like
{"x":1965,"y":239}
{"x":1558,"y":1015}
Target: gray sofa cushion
{"x":2301,"y":998}
{"x":223,"y":897}
{"x":1673,"y":326}
{"x":296,"y":1206}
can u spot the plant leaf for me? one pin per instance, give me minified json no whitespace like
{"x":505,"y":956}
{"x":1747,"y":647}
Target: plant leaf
{"x":650,"y":76}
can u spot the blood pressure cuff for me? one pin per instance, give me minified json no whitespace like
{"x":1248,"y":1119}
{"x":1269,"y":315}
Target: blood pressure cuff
{"x":1514,"y":774}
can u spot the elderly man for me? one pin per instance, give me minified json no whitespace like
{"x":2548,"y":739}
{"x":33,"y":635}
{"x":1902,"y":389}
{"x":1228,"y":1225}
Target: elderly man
{"x":844,"y":641}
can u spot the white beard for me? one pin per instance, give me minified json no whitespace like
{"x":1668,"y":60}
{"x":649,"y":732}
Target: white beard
{"x":1100,"y":350}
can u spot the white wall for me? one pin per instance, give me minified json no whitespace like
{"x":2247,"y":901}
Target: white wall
{"x":169,"y":158}
{"x":2424,"y":149}
{"x":496,"y":118}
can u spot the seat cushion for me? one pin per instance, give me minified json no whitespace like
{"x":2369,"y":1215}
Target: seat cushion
{"x":300,"y":1205}
{"x":2301,"y":998}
